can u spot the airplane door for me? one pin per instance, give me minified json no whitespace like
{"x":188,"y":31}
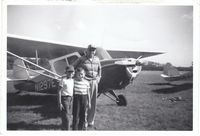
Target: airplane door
{"x":58,"y":65}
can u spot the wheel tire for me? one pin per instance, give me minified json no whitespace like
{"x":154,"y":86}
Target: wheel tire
{"x":122,"y":100}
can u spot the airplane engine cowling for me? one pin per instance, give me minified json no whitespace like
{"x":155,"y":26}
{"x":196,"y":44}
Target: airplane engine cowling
{"x":114,"y":77}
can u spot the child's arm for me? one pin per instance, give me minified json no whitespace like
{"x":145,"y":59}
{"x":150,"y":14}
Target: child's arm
{"x":59,"y":97}
{"x":59,"y":100}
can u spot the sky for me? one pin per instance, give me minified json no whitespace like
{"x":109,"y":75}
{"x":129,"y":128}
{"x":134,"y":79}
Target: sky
{"x":157,"y":28}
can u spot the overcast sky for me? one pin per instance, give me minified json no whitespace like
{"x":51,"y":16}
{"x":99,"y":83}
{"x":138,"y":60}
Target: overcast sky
{"x":122,"y":27}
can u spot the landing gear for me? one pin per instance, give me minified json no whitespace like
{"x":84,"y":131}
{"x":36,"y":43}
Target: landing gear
{"x":119,"y":99}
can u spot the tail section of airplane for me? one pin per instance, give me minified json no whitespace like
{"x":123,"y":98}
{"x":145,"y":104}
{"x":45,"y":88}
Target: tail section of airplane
{"x":170,"y":73}
{"x":169,"y":70}
{"x":19,"y":71}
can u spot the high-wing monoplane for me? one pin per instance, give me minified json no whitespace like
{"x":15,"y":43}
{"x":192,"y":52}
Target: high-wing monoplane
{"x":119,"y":68}
{"x":170,"y":73}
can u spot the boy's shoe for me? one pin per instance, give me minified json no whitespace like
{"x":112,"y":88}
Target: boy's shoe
{"x":90,"y":125}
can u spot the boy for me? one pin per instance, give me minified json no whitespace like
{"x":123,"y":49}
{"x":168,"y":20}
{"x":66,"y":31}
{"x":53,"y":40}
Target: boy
{"x":65,"y":94}
{"x":92,"y":66}
{"x":81,"y":100}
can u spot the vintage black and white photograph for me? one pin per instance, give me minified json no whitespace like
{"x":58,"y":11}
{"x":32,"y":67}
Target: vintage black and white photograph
{"x":100,"y":67}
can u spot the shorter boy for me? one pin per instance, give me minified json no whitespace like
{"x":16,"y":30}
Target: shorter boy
{"x":65,"y":94}
{"x":81,"y":100}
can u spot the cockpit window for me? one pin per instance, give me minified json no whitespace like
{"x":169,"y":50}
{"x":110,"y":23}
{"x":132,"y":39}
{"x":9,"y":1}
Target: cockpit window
{"x":60,"y":66}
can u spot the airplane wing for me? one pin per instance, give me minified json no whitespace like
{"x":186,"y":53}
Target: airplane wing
{"x":131,"y":54}
{"x":28,"y":48}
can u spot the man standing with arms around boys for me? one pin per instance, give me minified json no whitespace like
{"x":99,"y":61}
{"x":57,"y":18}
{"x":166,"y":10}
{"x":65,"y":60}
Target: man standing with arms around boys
{"x":65,"y":94}
{"x":81,"y":100}
{"x":91,"y":64}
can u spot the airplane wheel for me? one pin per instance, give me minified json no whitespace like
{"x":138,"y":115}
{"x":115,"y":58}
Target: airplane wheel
{"x":122,"y":100}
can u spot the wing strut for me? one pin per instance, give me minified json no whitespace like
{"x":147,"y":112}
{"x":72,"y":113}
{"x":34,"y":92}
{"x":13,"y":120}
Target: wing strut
{"x":36,"y":55}
{"x":37,"y":72}
{"x":34,"y":64}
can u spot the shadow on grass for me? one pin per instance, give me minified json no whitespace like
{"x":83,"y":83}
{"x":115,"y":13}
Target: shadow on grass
{"x":44,"y":105}
{"x":162,"y":84}
{"x":47,"y":103}
{"x":174,"y":89}
{"x":26,"y":126}
{"x":28,"y":99}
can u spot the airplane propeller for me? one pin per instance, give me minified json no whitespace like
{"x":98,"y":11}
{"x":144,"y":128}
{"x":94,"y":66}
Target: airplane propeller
{"x":138,"y":61}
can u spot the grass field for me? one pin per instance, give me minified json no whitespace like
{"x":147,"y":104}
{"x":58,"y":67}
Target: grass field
{"x":152,"y":105}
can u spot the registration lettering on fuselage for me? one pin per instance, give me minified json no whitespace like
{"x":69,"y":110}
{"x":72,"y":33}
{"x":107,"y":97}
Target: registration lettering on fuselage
{"x":45,"y":85}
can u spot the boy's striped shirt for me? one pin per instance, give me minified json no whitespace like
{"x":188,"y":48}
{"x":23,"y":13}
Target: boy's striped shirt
{"x":81,"y":87}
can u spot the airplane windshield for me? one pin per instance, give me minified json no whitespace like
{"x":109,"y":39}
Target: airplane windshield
{"x":102,"y":54}
{"x":72,"y":59}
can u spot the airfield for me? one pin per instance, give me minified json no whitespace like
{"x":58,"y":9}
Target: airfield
{"x":153,"y":104}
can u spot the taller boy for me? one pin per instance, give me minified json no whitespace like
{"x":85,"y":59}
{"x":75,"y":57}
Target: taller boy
{"x":92,"y":67}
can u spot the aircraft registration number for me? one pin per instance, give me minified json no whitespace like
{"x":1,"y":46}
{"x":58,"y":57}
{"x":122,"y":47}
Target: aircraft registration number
{"x":45,"y":85}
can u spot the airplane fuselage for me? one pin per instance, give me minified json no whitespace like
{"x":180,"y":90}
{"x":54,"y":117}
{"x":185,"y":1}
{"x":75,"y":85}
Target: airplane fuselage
{"x":114,"y":77}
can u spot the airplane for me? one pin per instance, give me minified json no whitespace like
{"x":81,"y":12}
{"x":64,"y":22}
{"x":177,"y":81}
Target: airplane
{"x":170,"y":73}
{"x":119,"y":68}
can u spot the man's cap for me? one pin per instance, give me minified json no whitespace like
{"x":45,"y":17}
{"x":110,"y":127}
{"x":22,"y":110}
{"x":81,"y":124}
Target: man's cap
{"x":91,"y":47}
{"x":70,"y":68}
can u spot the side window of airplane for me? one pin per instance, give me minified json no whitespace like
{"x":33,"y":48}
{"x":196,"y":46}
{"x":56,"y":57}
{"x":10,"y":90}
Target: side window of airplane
{"x":58,"y":65}
{"x":72,"y":59}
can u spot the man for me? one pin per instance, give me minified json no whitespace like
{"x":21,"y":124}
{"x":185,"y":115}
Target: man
{"x":91,"y":64}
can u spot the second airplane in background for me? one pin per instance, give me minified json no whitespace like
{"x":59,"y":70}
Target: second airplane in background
{"x":170,"y":73}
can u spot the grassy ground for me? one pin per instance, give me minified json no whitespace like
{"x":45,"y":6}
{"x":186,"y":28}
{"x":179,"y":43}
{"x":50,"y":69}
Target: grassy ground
{"x":151,"y":106}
